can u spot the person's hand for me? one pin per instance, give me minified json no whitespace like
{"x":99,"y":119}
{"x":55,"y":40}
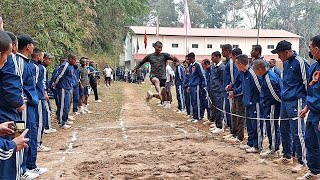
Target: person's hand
{"x":21,"y":141}
{"x":6,"y":128}
{"x":231,"y":95}
{"x":21,"y":108}
{"x":46,"y":97}
{"x":303,"y":112}
{"x":229,"y":87}
{"x":188,"y":89}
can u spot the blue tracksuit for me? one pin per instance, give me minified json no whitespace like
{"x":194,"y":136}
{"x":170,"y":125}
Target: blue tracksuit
{"x":204,"y":99}
{"x":216,"y":92}
{"x":42,"y":112}
{"x":312,"y":137}
{"x":277,"y":71}
{"x":64,"y":83}
{"x":76,"y":94}
{"x":179,"y":80}
{"x":10,"y":99}
{"x":293,"y":95}
{"x":251,"y":87}
{"x":229,"y":76}
{"x":54,"y":91}
{"x":196,"y":81}
{"x":47,"y":119}
{"x":29,"y":116}
{"x":187,"y":95}
{"x":270,"y":100}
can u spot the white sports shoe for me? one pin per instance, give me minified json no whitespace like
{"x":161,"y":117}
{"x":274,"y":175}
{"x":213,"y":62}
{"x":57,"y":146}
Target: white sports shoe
{"x":252,"y":150}
{"x":98,"y":101}
{"x":213,"y":125}
{"x":82,"y":111}
{"x":87,"y":111}
{"x":29,"y":176}
{"x":217,"y":131}
{"x":179,"y":112}
{"x":69,"y":122}
{"x":48,"y":131}
{"x":77,"y":113}
{"x":309,"y":176}
{"x":227,"y":136}
{"x":268,"y":153}
{"x":244,"y":146}
{"x":38,"y":170}
{"x":42,"y":148}
{"x":65,"y":126}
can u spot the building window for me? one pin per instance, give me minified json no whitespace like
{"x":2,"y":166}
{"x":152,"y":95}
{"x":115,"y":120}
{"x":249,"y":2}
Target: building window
{"x":235,"y":46}
{"x":209,"y":46}
{"x":194,"y":45}
{"x":175,"y":45}
{"x":270,"y":46}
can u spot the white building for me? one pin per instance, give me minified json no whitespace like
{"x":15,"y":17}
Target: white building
{"x":201,"y":41}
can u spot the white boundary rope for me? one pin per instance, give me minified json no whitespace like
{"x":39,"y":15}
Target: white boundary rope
{"x":258,"y":119}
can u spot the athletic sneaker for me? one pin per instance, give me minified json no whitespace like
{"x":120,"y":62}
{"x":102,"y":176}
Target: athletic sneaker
{"x":48,"y":131}
{"x":98,"y":101}
{"x":309,"y":176}
{"x":268,"y":153}
{"x":195,"y":120}
{"x":244,"y":146}
{"x":217,"y":131}
{"x":161,"y":105}
{"x":212,"y":129}
{"x":167,"y":105}
{"x":29,"y":176}
{"x":252,"y":150}
{"x":283,"y":160}
{"x":179,"y":112}
{"x":77,"y":113}
{"x":234,"y":140}
{"x":69,"y":122}
{"x":42,"y":148}
{"x":38,"y":170}
{"x":87,"y":111}
{"x":82,"y":111}
{"x":65,"y":127}
{"x":298,"y":168}
{"x":213,"y":125}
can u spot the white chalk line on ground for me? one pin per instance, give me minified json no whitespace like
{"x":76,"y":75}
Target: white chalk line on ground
{"x":67,"y":151}
{"x":124,"y":130}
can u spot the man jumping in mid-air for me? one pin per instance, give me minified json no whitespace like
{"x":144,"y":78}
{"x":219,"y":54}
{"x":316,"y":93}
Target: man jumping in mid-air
{"x":158,"y":62}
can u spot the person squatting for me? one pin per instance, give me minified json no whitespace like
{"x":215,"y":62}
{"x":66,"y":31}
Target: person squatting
{"x":251,"y":94}
{"x":25,"y":110}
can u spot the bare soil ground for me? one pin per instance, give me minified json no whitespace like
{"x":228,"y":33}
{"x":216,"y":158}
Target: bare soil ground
{"x":128,"y":138}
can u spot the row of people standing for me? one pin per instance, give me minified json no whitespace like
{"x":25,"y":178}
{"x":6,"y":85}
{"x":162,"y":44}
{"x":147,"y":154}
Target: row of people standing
{"x":254,"y":94}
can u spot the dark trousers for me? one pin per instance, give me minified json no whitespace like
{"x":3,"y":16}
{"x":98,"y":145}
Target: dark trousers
{"x":238,"y":122}
{"x":313,"y":144}
{"x":187,"y":99}
{"x":216,"y":114}
{"x":93,"y":85}
{"x":75,"y":98}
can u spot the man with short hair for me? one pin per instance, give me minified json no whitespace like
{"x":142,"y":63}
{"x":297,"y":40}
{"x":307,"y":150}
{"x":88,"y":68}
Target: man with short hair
{"x":197,"y":80}
{"x":47,"y":60}
{"x":63,"y":83}
{"x":84,"y":86}
{"x":312,"y":137}
{"x":158,"y":63}
{"x":256,"y":53}
{"x":274,"y":68}
{"x":251,"y":88}
{"x":167,"y":96}
{"x":229,"y":76}
{"x":187,"y":96}
{"x":107,"y":75}
{"x":270,"y":100}
{"x":293,"y":95}
{"x":37,"y":58}
{"x":204,"y":99}
{"x":216,"y":91}
{"x":179,"y":79}
{"x":25,"y":49}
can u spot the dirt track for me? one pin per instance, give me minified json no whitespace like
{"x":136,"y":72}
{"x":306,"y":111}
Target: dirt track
{"x":127,"y":138}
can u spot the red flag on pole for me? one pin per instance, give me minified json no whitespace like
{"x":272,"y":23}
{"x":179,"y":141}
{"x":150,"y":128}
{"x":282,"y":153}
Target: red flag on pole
{"x":145,"y":39}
